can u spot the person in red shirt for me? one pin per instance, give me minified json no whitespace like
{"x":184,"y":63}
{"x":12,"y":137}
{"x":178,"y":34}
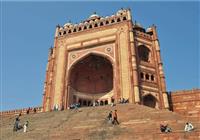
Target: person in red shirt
{"x":114,"y":115}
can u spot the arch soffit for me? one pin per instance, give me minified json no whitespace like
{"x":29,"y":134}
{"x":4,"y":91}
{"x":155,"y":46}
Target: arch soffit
{"x":150,"y":94}
{"x":111,"y":60}
{"x":147,"y":46}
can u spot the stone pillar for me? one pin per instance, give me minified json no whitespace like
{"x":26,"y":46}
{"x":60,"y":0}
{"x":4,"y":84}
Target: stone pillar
{"x":124,"y":56}
{"x":59,"y":79}
{"x":160,"y":67}
{"x":134,"y":67}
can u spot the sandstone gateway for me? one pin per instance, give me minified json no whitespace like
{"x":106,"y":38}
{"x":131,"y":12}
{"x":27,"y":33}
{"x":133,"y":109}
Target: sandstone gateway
{"x":105,"y":59}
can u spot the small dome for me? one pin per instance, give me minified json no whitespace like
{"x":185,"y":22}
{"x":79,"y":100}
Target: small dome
{"x":149,"y":29}
{"x":94,"y":15}
{"x":121,"y":11}
{"x":137,"y":24}
{"x":138,"y":27}
{"x":67,"y":24}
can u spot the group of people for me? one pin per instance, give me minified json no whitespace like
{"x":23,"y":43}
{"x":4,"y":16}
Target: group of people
{"x":18,"y":126}
{"x":123,"y":101}
{"x":29,"y":109}
{"x":112,"y":117}
{"x":166,"y":129}
{"x":75,"y":106}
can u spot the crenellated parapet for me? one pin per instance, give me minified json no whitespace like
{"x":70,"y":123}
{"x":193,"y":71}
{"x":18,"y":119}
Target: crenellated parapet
{"x":94,"y":21}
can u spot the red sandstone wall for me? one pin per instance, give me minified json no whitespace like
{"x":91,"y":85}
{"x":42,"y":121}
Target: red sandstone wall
{"x":22,"y":111}
{"x":186,"y":102}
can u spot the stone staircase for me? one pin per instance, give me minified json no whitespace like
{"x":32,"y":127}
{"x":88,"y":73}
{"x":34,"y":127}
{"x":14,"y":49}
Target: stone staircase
{"x":136,"y":123}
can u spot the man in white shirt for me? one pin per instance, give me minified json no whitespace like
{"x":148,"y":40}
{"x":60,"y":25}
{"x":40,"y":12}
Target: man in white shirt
{"x":188,"y":127}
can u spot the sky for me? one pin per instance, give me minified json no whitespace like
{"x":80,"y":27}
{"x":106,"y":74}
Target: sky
{"x":27,"y":32}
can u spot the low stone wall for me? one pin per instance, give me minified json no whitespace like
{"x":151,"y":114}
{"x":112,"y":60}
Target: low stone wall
{"x":22,"y":111}
{"x":186,"y":102}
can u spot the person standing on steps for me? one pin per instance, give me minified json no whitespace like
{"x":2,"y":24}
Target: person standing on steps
{"x":115,"y":120}
{"x":16,"y":124}
{"x":110,"y":117}
{"x":25,"y":126}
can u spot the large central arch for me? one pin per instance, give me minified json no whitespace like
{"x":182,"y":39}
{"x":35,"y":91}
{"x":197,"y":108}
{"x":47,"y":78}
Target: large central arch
{"x":90,"y":78}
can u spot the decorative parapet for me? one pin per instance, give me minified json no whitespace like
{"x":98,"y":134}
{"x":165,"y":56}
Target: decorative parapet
{"x":143,"y":35}
{"x":94,"y":21}
{"x":22,"y":111}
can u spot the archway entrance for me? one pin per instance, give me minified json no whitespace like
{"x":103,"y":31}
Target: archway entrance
{"x":149,"y":101}
{"x":89,"y":78}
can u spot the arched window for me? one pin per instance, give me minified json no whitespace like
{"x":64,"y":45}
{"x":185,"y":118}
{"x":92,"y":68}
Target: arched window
{"x":124,"y":18}
{"x":147,"y":76}
{"x":149,"y":101}
{"x":101,"y":24}
{"x":106,"y":102}
{"x":152,"y":78}
{"x":142,"y":75}
{"x":101,"y":102}
{"x":144,"y":53}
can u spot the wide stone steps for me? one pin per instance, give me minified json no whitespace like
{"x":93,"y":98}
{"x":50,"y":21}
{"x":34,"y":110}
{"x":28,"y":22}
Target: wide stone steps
{"x":136,"y":122}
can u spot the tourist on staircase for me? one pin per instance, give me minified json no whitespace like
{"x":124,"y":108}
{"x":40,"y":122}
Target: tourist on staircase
{"x":25,"y":126}
{"x":114,"y":115}
{"x":110,"y":117}
{"x":17,"y":124}
{"x":188,"y":127}
{"x":165,"y":128}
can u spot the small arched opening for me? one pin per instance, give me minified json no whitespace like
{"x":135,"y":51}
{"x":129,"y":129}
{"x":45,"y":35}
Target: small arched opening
{"x":144,"y":53}
{"x":106,"y":102}
{"x":149,"y":101}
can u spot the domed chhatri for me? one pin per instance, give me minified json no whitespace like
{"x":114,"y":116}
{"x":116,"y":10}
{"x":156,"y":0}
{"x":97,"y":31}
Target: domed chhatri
{"x":94,"y":15}
{"x":68,"y":24}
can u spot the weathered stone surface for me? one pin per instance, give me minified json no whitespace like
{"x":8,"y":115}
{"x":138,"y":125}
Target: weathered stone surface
{"x":186,"y":102}
{"x":136,"y":122}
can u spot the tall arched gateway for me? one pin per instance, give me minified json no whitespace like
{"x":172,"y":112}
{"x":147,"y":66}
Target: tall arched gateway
{"x":104,"y":58}
{"x":90,"y":79}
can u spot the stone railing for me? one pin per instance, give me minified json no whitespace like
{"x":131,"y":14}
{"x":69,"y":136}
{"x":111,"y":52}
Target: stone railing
{"x":21,"y":111}
{"x":144,"y":35}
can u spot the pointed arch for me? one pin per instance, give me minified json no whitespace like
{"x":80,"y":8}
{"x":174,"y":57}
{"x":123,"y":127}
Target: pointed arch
{"x":149,"y":100}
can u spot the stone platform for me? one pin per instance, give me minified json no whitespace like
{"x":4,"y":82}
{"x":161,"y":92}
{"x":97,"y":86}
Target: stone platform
{"x":137,"y":122}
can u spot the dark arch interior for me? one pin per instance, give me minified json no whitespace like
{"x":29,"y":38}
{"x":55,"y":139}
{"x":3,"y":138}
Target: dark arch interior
{"x":143,"y":53}
{"x":93,"y":74}
{"x":149,"y":101}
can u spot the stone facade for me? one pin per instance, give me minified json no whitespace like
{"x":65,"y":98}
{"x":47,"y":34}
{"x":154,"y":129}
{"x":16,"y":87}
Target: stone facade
{"x":105,"y":59}
{"x":186,"y":102}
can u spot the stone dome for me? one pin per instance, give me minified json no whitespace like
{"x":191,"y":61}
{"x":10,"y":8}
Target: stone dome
{"x":121,"y":11}
{"x":137,"y":24}
{"x":68,"y":24}
{"x":94,"y":15}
